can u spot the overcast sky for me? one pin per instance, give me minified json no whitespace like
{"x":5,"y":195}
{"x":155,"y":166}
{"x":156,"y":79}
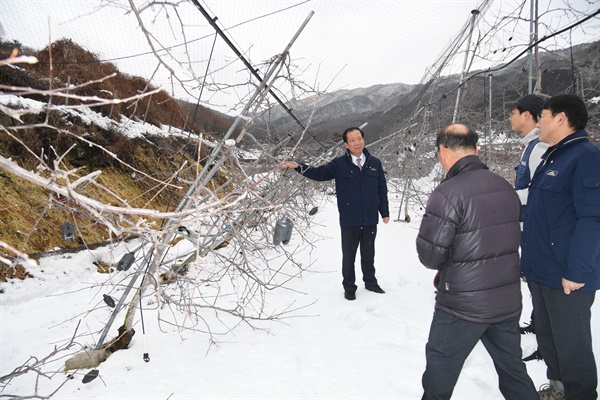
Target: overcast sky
{"x":346,"y":44}
{"x":370,"y":42}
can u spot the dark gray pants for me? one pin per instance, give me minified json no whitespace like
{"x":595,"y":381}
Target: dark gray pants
{"x":450,"y":342}
{"x":562,"y":328}
{"x":352,"y":237}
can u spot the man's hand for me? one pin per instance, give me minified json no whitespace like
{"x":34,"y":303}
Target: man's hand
{"x":569,"y":286}
{"x":386,"y":220}
{"x":290,"y":164}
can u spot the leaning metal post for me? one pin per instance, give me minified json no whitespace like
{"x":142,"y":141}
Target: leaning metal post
{"x":264,"y":84}
{"x":474,"y":14}
{"x":188,"y":196}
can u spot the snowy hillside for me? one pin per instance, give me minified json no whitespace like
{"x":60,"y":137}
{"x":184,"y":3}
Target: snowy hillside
{"x":371,"y":348}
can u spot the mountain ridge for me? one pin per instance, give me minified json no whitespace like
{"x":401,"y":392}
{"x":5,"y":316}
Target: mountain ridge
{"x":387,"y":107}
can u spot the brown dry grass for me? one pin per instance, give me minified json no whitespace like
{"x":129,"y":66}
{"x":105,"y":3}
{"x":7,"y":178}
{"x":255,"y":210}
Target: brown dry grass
{"x":18,"y":272}
{"x":27,"y":221}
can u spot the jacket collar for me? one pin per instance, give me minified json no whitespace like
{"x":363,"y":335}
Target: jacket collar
{"x":531,"y":136}
{"x":365,"y":152}
{"x":573,"y":138}
{"x":467,"y":163}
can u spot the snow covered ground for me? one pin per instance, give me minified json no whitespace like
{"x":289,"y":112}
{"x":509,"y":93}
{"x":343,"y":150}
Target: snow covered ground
{"x":371,"y":348}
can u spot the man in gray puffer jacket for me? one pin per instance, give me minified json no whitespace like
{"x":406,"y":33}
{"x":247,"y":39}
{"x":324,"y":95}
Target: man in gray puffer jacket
{"x":470,"y":234}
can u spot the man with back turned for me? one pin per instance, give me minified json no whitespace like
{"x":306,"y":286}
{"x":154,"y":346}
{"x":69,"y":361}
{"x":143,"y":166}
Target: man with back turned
{"x":470,"y":234}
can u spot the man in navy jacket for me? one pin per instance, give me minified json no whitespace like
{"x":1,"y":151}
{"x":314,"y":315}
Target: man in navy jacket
{"x":361,"y":192}
{"x":561,"y":247}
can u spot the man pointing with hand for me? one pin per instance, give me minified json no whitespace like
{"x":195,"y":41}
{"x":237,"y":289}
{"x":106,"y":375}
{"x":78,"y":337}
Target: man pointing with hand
{"x":361,"y":192}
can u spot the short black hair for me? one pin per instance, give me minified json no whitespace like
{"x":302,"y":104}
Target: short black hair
{"x":573,"y":107}
{"x":457,"y":136}
{"x":345,"y":134}
{"x":533,"y":115}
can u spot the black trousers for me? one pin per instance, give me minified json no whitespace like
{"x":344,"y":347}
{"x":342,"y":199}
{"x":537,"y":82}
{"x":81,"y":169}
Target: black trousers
{"x":563,"y":332}
{"x":450,"y":342}
{"x":352,"y":237}
{"x":532,"y":317}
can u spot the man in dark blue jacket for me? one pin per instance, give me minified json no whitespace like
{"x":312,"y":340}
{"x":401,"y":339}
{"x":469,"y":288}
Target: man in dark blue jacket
{"x":561,"y":248}
{"x":361,"y":192}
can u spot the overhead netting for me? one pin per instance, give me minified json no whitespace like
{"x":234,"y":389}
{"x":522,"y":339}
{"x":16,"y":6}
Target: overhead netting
{"x":256,"y":59}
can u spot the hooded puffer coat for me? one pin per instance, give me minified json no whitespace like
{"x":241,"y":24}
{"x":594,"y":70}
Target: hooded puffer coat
{"x":470,"y":233}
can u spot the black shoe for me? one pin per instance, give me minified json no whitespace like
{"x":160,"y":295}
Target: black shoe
{"x":526,"y":329}
{"x":349,"y":295}
{"x":534,"y":356}
{"x":376,"y":289}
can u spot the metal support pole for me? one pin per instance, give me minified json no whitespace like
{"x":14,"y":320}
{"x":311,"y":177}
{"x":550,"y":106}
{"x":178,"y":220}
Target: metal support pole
{"x":68,"y":86}
{"x":188,"y":196}
{"x":112,"y":105}
{"x":474,"y":14}
{"x":530,"y":57}
{"x":242,"y":114}
{"x":121,"y":301}
{"x":490,"y":141}
{"x":147,"y":108}
{"x":253,"y":70}
{"x":490,"y":102}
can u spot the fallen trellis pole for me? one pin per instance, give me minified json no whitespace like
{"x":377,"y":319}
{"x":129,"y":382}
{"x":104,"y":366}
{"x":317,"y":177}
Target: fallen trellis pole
{"x":150,"y":264}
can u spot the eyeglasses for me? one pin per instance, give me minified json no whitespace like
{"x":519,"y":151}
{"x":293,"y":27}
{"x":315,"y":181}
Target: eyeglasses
{"x":437,"y":151}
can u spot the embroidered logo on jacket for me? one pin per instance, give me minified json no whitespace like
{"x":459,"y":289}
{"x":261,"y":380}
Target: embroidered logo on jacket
{"x":552,"y":172}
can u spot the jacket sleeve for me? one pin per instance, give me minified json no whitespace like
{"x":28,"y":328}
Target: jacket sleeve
{"x":325,"y":172}
{"x":437,"y":231}
{"x":384,"y":207}
{"x":585,"y":247}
